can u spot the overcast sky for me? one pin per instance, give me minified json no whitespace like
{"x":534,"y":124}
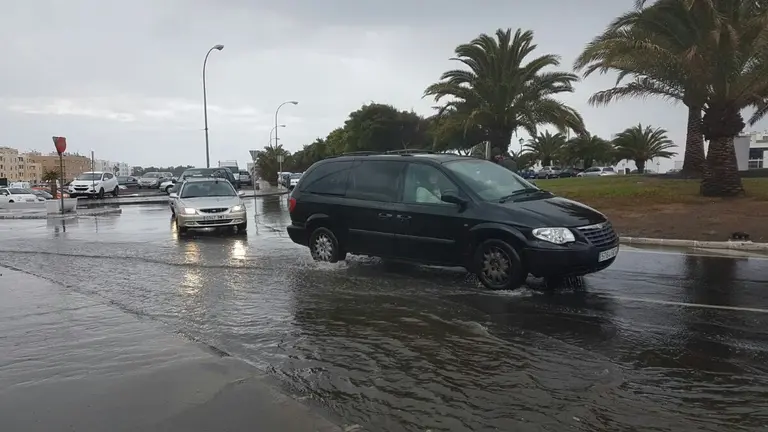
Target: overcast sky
{"x":124,"y":78}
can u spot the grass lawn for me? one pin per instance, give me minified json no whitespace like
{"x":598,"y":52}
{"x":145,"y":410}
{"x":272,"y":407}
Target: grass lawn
{"x":669,"y":208}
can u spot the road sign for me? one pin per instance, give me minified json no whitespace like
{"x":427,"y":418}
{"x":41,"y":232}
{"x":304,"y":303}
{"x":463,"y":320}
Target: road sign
{"x":280,"y":158}
{"x":60,"y":143}
{"x":253,"y":153}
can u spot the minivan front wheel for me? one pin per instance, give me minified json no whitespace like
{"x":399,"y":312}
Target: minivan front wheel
{"x":324,"y":246}
{"x":498,"y":265}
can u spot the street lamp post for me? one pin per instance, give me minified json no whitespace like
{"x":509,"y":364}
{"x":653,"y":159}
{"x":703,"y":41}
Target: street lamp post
{"x":277,"y":111}
{"x":205,"y":105}
{"x":274,"y":129}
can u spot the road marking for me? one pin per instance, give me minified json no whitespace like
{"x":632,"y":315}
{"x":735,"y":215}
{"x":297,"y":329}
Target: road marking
{"x":684,"y":304}
{"x":747,"y":254}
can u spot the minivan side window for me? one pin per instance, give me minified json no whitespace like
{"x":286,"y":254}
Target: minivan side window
{"x":425,"y":184}
{"x":329,"y":178}
{"x":375,"y":180}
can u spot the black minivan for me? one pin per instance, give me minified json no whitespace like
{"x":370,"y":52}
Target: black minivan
{"x":447,"y":210}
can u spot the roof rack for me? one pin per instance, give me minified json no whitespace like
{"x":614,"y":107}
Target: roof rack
{"x":405,"y":152}
{"x":360,"y":153}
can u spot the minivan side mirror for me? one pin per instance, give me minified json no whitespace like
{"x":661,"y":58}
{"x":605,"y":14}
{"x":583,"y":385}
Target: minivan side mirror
{"x":452,"y":196}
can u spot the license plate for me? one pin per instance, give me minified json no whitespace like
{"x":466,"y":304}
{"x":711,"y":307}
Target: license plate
{"x":218,"y":217}
{"x":608,"y":254}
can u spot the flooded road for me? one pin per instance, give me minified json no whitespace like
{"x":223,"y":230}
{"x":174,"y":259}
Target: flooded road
{"x":658,"y":342}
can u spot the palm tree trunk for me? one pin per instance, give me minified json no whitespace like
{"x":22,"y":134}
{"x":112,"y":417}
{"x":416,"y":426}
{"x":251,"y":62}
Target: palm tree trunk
{"x":640,"y":164}
{"x":693,"y":162}
{"x":500,"y":139}
{"x":721,"y":171}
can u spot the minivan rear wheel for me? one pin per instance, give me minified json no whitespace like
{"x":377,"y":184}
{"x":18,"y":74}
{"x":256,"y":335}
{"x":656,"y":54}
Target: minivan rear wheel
{"x":498,"y":265}
{"x":324,"y":246}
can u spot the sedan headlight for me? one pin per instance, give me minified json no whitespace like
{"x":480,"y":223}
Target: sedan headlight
{"x":554,"y":235}
{"x":237,"y":208}
{"x":189,"y":211}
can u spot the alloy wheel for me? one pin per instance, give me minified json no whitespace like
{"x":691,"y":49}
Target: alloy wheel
{"x":496,"y":266}
{"x":322,"y":249}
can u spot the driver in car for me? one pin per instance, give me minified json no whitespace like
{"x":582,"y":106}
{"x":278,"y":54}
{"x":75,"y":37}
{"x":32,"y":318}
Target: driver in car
{"x":429,"y":192}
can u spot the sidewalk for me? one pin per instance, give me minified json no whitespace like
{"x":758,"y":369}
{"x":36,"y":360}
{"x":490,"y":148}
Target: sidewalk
{"x":70,"y":363}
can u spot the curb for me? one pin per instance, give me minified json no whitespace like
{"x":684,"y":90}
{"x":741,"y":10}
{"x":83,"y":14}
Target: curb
{"x":66,"y":216}
{"x":733,"y":245}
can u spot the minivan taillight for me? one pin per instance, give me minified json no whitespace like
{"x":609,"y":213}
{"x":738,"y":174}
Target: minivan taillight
{"x":291,"y":204}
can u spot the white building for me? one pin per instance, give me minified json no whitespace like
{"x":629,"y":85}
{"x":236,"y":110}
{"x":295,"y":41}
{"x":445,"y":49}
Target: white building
{"x":117,"y":168}
{"x":757,"y":149}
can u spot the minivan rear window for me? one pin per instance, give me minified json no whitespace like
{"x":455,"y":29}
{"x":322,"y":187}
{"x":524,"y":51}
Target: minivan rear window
{"x":329,"y":178}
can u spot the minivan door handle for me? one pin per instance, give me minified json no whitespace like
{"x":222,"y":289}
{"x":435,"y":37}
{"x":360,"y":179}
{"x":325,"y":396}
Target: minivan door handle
{"x":385,"y":215}
{"x":403,"y":218}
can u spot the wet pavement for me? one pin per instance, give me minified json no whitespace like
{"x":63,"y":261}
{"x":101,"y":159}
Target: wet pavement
{"x":660,"y":341}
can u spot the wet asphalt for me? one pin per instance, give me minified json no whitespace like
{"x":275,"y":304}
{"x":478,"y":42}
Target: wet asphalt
{"x":660,"y":341}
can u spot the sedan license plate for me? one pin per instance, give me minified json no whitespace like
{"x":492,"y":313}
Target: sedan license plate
{"x":217,"y":217}
{"x":608,"y":254}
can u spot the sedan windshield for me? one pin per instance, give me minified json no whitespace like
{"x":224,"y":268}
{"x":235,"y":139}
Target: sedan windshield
{"x":490,"y":181}
{"x":207,"y":189}
{"x":18,"y":191}
{"x":151,"y":175}
{"x":89,"y":176}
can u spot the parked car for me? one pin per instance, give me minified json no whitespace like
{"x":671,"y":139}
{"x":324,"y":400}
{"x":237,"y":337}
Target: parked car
{"x":94,"y":184}
{"x":245,"y":178}
{"x":17,"y":195}
{"x":597,"y":172}
{"x":285,"y":180}
{"x":527,"y":174}
{"x":447,"y":210}
{"x":293,"y":180}
{"x":206,"y":173}
{"x":208,"y":203}
{"x":569,"y":172}
{"x":167,"y":185}
{"x":129,"y":182}
{"x":41,"y":195}
{"x":548,"y":172}
{"x":150,"y":180}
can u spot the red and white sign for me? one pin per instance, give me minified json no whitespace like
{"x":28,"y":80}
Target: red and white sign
{"x":60,"y":143}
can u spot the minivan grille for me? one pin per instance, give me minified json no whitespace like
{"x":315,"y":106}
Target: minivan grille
{"x":214,"y":210}
{"x":600,"y":235}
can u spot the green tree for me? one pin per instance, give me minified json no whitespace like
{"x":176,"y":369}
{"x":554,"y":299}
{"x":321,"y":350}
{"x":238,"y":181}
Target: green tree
{"x":546,"y":147}
{"x":504,"y":90}
{"x":51,"y":177}
{"x":587,"y":150}
{"x":268,"y":164}
{"x":451,"y":132}
{"x":642,"y":144}
{"x":657,"y":46}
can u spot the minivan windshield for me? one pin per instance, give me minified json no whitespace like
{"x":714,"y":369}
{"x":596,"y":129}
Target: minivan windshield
{"x":89,"y":176}
{"x":490,"y":181}
{"x":202,"y":189}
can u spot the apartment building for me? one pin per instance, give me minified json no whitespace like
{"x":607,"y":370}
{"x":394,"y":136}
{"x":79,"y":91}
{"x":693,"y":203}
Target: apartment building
{"x":19,"y":167}
{"x":74,"y":164}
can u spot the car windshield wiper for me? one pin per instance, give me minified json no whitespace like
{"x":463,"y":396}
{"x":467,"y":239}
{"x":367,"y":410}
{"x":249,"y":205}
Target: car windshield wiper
{"x":518,"y":193}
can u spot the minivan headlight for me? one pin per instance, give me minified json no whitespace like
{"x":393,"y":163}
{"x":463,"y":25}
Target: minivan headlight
{"x":554,"y":235}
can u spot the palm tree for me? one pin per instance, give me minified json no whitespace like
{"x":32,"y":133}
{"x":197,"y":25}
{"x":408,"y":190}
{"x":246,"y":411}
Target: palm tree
{"x":657,"y":46}
{"x":642,"y":144}
{"x":589,"y":149}
{"x":51,"y":177}
{"x":267,"y":161}
{"x":546,"y":147}
{"x":503,"y":91}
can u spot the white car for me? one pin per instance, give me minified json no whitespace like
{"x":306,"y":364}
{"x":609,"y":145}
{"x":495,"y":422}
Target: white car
{"x":17,"y":195}
{"x":167,"y":185}
{"x":597,"y":172}
{"x":94,"y":184}
{"x":294,"y":180}
{"x":208,"y":203}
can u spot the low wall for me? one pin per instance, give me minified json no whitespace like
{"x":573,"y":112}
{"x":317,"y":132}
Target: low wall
{"x":38,"y":205}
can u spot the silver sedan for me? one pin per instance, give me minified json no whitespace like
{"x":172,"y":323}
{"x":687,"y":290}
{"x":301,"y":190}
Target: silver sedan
{"x":208,"y":203}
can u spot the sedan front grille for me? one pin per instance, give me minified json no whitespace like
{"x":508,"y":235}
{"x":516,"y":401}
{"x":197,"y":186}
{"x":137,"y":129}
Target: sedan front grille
{"x":215,"y":222}
{"x":600,"y":235}
{"x":214,"y":210}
